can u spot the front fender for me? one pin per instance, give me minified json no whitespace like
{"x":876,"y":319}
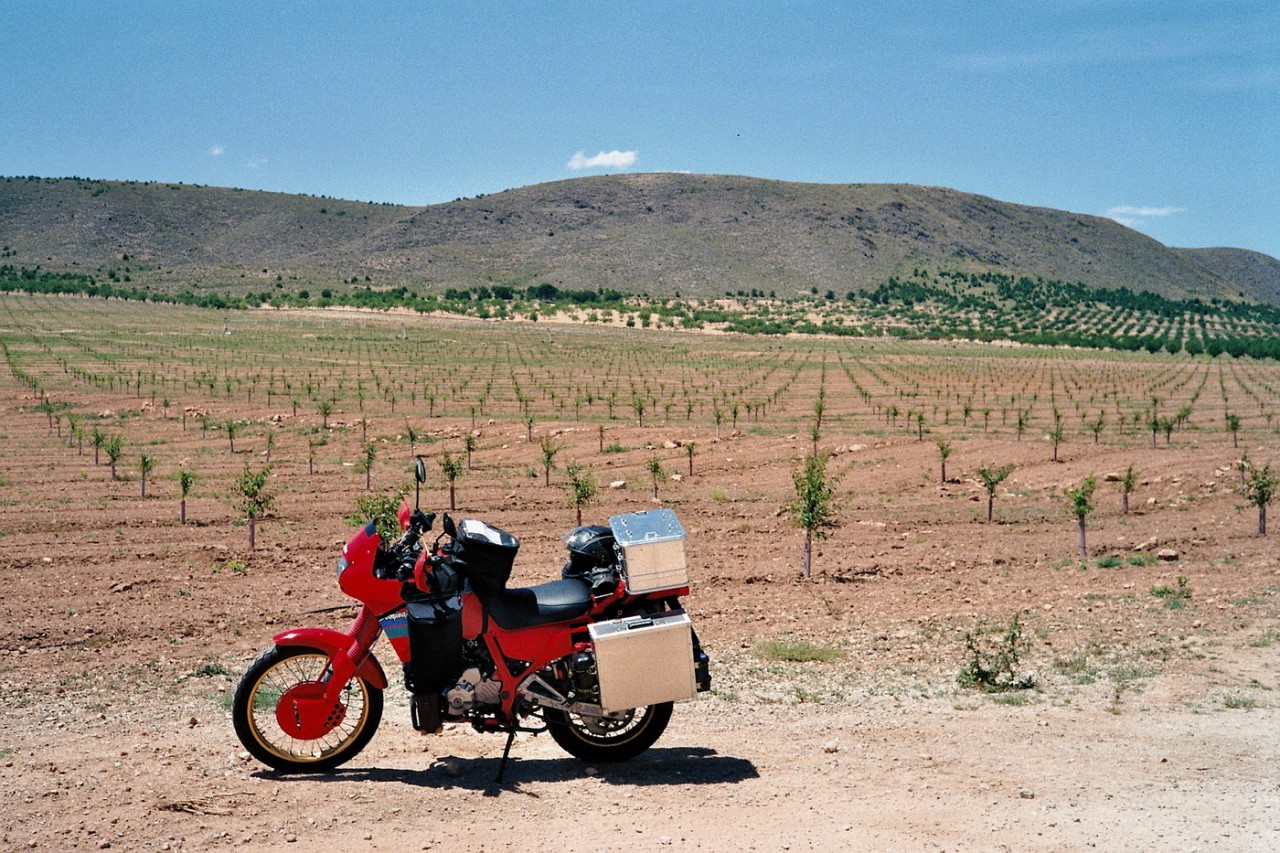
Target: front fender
{"x":333,"y":643}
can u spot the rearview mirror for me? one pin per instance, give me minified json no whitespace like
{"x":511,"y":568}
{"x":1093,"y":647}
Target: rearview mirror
{"x":420,"y":477}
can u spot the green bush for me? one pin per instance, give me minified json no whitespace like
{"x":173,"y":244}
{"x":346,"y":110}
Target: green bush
{"x":995,"y":656}
{"x":384,"y":510}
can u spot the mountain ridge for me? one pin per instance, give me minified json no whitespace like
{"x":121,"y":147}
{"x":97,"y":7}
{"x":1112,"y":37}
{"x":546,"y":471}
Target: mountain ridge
{"x":657,"y":233}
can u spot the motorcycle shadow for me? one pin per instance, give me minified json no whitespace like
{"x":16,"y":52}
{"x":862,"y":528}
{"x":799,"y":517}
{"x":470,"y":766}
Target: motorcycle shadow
{"x":657,"y":766}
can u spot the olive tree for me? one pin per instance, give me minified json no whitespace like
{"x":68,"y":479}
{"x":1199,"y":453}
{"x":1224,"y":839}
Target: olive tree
{"x":582,"y":489}
{"x":98,"y":439}
{"x":452,"y":470}
{"x":813,"y":508}
{"x":367,"y":457}
{"x":1260,"y":490}
{"x":1096,"y":426}
{"x":186,"y":480}
{"x":146,"y":464}
{"x":819,"y":408}
{"x":46,"y":407}
{"x":657,"y":472}
{"x":1056,"y":435}
{"x":1081,"y":498}
{"x":991,"y":478}
{"x":251,"y":497}
{"x":944,"y":451}
{"x":1233,"y":425}
{"x":1127,"y":484}
{"x":549,"y":450}
{"x":411,"y":435}
{"x":114,"y":448}
{"x":313,"y":442}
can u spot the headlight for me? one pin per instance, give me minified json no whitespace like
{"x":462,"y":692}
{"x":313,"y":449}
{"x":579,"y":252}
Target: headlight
{"x":342,"y":565}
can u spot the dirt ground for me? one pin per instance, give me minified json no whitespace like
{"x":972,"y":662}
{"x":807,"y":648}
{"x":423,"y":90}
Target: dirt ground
{"x":1153,"y":723}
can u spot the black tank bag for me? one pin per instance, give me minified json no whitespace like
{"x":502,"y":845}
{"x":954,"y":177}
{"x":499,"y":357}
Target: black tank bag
{"x":484,"y":555}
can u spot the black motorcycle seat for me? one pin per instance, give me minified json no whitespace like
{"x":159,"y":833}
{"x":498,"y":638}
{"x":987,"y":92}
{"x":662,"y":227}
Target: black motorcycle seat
{"x":529,"y":607}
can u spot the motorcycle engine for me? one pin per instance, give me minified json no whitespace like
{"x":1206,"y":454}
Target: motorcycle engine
{"x":472,"y":691}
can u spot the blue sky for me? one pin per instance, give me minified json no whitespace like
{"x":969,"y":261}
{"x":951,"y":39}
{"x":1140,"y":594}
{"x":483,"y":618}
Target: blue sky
{"x":1161,"y":114}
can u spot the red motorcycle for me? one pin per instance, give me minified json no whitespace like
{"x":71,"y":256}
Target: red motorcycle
{"x":595,"y":659}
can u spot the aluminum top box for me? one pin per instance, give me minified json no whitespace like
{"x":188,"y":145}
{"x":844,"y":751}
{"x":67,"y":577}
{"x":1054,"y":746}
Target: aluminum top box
{"x":652,"y":546}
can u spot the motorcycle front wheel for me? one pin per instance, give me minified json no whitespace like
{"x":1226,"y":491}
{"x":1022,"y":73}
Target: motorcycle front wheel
{"x":608,"y":739}
{"x":280,"y":717}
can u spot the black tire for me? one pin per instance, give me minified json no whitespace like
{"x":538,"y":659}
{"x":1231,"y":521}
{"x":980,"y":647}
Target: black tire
{"x":264,"y":683}
{"x":608,"y":740}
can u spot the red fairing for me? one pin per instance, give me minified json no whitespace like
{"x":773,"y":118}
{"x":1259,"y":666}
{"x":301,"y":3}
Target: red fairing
{"x":404,"y":515}
{"x":357,"y":579}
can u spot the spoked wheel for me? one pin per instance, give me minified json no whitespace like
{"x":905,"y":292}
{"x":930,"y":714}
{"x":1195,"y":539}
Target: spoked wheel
{"x":614,"y":738}
{"x":282,"y":719}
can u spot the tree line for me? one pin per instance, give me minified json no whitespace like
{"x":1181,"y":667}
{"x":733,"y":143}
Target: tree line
{"x":916,"y":308}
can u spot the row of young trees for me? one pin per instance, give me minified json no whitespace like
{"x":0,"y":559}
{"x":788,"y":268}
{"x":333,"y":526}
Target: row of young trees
{"x":813,"y":507}
{"x":945,"y":305}
{"x":249,"y":495}
{"x":903,"y":388}
{"x":388,"y":371}
{"x":1257,"y":486}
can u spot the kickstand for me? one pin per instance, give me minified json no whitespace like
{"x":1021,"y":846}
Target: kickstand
{"x":506,"y":754}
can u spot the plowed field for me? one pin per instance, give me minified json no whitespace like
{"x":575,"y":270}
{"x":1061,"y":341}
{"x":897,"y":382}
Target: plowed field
{"x":1152,"y":720}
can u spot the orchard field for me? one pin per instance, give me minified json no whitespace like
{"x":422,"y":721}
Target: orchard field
{"x":838,"y":719}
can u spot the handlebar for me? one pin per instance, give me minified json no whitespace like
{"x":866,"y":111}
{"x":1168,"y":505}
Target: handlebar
{"x":401,"y":555}
{"x":398,"y":560}
{"x":419,"y":523}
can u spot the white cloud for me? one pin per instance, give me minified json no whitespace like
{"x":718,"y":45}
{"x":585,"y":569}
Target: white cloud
{"x":605,"y":160}
{"x":216,"y":151}
{"x":257,"y":163}
{"x":1144,"y":212}
{"x":1135,"y":216}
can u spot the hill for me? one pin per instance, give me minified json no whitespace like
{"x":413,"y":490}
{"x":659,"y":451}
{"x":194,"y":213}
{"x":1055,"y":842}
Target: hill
{"x":699,"y":235}
{"x":1257,"y":275}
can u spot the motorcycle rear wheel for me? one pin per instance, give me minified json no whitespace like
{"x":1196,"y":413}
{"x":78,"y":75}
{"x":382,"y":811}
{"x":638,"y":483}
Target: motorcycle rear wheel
{"x":608,"y":740}
{"x":256,"y":705}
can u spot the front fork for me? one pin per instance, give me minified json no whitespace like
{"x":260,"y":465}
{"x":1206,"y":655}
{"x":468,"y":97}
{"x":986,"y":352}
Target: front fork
{"x":350,"y":653}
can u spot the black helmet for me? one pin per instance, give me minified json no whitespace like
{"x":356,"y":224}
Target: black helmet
{"x":592,"y":558}
{"x":593,"y":544}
